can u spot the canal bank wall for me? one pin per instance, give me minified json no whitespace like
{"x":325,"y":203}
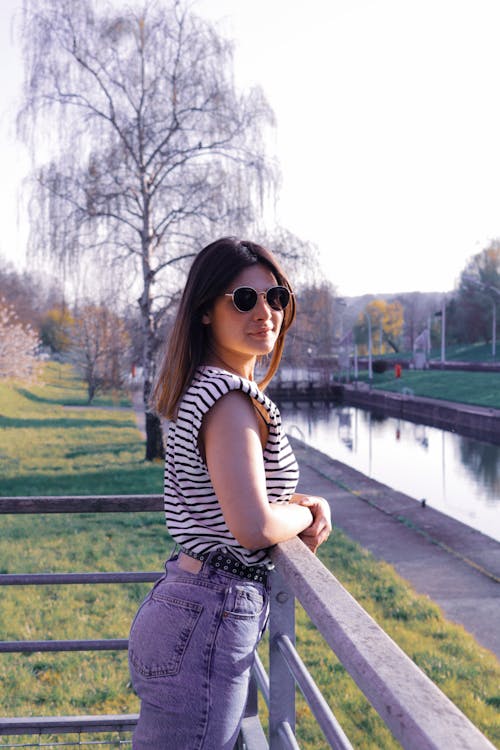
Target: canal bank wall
{"x":482,"y":423}
{"x":453,"y":564}
{"x":479,"y":422}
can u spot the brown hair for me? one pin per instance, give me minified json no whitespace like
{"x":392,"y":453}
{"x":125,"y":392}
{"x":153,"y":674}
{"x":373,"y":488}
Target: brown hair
{"x":210,"y":275}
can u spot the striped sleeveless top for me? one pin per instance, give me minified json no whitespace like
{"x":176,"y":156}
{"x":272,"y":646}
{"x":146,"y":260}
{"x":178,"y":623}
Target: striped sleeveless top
{"x":193,"y":514}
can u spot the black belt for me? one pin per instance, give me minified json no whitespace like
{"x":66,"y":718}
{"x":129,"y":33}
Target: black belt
{"x":225,"y":562}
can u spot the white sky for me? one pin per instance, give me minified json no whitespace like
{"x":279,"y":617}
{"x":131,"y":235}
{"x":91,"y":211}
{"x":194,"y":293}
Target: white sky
{"x":388,"y":130}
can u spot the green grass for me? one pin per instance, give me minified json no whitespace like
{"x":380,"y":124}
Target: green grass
{"x":478,"y":388}
{"x":98,"y":683}
{"x":454,"y":353}
{"x":52,"y":444}
{"x":467,"y":353}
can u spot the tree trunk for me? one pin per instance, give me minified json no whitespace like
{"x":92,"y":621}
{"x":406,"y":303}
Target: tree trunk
{"x":154,"y":434}
{"x":154,"y":438}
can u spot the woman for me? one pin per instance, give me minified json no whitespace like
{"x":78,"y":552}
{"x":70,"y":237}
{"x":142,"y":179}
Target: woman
{"x":230,"y":481}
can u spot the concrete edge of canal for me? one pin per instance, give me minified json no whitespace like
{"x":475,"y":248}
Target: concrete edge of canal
{"x":476,"y":421}
{"x":455,"y":565}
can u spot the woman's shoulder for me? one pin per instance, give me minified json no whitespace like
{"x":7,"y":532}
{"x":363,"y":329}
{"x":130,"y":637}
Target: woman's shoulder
{"x":212,"y":382}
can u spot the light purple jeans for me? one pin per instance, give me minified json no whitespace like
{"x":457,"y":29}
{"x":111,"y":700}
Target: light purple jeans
{"x":191,"y":651}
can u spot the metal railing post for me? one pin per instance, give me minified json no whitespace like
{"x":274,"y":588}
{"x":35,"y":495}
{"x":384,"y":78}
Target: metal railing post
{"x":252,"y":735}
{"x":282,"y":683}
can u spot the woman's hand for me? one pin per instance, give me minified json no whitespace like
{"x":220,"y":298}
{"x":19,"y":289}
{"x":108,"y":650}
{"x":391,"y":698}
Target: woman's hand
{"x":319,"y":531}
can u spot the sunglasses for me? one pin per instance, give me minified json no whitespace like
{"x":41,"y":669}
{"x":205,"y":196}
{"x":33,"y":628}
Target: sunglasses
{"x":245,"y":298}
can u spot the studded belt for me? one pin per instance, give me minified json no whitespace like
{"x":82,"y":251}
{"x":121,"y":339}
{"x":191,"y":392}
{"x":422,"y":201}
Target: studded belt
{"x":225,"y":562}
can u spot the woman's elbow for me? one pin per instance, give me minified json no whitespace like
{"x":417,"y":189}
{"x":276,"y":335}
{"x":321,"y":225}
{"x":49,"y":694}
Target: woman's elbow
{"x":252,"y":535}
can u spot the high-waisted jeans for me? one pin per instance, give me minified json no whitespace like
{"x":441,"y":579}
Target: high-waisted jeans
{"x":191,"y":651}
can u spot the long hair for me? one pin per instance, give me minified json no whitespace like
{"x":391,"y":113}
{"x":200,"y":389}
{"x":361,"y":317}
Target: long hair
{"x":210,"y":276}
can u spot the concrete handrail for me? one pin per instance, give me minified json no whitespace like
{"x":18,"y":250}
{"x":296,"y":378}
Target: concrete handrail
{"x":418,"y":714}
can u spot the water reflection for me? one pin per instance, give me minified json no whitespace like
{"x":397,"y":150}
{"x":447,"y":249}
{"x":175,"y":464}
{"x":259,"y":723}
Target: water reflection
{"x":457,"y":475}
{"x":482,"y":460}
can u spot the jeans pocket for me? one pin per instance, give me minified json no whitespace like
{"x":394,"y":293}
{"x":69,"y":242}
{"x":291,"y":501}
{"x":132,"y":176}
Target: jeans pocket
{"x":245,"y":601}
{"x":160,"y":634}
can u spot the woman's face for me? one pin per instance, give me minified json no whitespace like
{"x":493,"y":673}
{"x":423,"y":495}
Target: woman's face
{"x":237,"y":338}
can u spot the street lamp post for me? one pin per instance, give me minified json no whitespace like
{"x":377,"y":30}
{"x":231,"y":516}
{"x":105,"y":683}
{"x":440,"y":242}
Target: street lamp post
{"x":494,"y":333}
{"x":443,"y":331}
{"x":370,"y":368}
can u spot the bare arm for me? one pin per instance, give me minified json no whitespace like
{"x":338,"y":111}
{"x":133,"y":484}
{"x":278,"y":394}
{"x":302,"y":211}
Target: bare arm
{"x":319,"y":531}
{"x":233,"y":452}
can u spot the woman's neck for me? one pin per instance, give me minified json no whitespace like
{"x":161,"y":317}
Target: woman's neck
{"x":244,"y":369}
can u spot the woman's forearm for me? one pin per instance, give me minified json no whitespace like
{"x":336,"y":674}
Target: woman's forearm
{"x":282,"y":521}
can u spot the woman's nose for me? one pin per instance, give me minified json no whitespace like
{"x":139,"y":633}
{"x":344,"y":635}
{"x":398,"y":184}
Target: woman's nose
{"x":262,"y":307}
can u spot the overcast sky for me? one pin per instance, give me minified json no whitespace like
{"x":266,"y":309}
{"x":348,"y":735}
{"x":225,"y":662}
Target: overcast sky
{"x":387,"y":132}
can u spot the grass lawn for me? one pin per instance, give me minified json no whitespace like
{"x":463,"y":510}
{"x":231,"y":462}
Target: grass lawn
{"x":467,"y":353}
{"x":479,"y":388}
{"x":46,"y":448}
{"x":454,"y":353}
{"x":53,"y":444}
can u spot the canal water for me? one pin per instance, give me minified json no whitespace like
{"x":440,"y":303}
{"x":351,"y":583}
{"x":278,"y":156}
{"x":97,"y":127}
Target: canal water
{"x":457,"y":475}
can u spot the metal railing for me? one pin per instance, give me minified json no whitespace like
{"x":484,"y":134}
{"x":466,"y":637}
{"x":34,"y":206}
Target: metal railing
{"x":417,"y":713}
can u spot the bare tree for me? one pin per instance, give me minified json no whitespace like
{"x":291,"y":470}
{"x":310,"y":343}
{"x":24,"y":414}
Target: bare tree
{"x":100,"y":348}
{"x":155,"y":148}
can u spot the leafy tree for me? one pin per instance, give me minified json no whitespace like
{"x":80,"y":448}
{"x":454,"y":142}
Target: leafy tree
{"x":393,"y":324}
{"x":156,"y":150}
{"x":55,"y":329}
{"x":387,"y":322}
{"x":470,"y":312}
{"x":18,"y":345}
{"x":100,"y":348}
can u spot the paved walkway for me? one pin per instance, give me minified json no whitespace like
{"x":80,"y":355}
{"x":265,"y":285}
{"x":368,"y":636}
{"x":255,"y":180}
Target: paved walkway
{"x":456,"y":566}
{"x":138,"y":407}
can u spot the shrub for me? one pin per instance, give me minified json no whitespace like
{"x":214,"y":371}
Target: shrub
{"x":379,"y":366}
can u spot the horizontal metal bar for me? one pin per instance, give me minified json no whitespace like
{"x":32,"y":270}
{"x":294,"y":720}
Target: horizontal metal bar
{"x":29,"y":647}
{"x":67,"y":724}
{"x":43,"y":579}
{"x":320,"y":708}
{"x":82,"y":504}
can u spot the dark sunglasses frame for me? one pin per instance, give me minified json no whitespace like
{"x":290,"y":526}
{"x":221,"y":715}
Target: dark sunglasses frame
{"x":277,"y":297}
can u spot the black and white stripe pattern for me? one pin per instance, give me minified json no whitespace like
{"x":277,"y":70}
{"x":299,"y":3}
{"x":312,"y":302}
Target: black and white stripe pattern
{"x":193,"y":514}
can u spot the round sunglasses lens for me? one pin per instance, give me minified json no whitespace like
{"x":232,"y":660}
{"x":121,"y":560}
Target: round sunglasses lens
{"x":245,"y":298}
{"x":278,"y":297}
